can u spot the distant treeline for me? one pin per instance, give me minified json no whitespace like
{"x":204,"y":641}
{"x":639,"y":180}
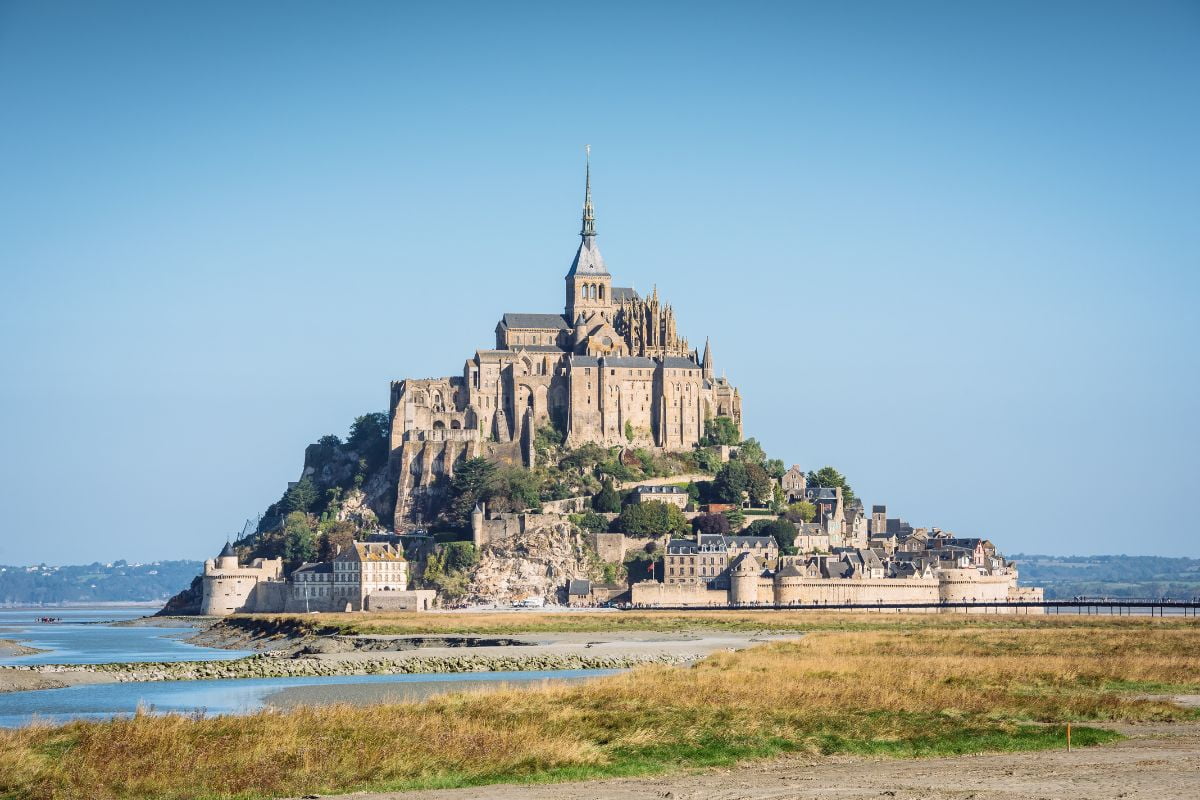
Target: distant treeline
{"x":1064,"y":577}
{"x":95,"y":583}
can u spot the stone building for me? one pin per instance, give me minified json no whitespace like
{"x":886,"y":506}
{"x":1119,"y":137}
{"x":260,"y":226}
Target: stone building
{"x":367,"y":576}
{"x":860,"y":576}
{"x":611,"y":368}
{"x":705,"y":560}
{"x":675,"y":495}
{"x":793,"y":483}
{"x":229,"y":588}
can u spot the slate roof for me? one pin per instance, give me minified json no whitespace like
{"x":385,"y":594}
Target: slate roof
{"x":622,"y":293}
{"x":660,"y":490}
{"x":579,"y":588}
{"x":588,"y":260}
{"x":672,"y":362}
{"x":622,"y":361}
{"x":752,"y":541}
{"x":226,"y":551}
{"x":745,"y":564}
{"x":553,"y":321}
{"x":321,"y":567}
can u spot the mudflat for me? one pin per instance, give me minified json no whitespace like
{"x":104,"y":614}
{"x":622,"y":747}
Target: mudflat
{"x":21,"y":680}
{"x":1156,"y":762}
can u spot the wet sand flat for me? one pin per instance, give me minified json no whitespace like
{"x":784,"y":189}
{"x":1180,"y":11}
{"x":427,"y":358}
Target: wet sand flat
{"x":20,"y":680}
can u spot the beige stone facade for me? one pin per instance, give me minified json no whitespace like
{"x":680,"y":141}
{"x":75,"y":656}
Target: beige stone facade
{"x":610,"y":369}
{"x":367,"y":576}
{"x":229,"y":587}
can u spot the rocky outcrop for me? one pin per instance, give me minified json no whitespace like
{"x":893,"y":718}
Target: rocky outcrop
{"x":186,"y":603}
{"x":356,"y":506}
{"x":538,"y":562}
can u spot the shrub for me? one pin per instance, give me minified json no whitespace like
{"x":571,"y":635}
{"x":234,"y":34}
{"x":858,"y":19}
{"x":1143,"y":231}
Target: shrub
{"x":783,"y":531}
{"x":652,"y":518}
{"x":720,"y":431}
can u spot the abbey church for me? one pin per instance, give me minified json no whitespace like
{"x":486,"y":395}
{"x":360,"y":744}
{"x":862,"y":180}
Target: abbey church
{"x":610,"y":369}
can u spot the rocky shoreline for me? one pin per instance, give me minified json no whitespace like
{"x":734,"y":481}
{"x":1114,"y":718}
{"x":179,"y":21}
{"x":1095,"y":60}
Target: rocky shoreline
{"x":264,"y":666}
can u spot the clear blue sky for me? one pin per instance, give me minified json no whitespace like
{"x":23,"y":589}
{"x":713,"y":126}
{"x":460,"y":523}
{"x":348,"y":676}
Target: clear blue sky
{"x":949,"y":248}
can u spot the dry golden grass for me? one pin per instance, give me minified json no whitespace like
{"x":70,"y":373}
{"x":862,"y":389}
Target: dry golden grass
{"x":492,"y":623}
{"x":914,"y":690}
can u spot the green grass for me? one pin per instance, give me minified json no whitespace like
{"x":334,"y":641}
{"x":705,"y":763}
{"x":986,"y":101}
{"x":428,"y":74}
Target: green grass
{"x":948,"y":691}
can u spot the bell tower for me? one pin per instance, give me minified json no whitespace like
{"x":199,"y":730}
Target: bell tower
{"x":589,"y":286}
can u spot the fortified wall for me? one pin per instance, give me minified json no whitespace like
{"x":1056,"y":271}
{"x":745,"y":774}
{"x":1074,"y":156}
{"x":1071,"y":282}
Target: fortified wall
{"x":752,"y":587}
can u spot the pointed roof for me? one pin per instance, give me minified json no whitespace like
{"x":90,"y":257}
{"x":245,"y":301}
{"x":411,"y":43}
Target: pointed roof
{"x":706,"y":362}
{"x":227,"y":551}
{"x":588,"y":260}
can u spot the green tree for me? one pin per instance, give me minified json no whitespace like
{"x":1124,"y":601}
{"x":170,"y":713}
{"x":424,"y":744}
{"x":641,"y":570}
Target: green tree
{"x":828,"y":477}
{"x":469,"y":487}
{"x":590,"y":521}
{"x":607,"y":499}
{"x":339,"y":536}
{"x":758,"y":484}
{"x":299,"y":539}
{"x":731,"y":482}
{"x":751,"y":452}
{"x":514,"y":489}
{"x":651,"y":519}
{"x":629,"y":430}
{"x":802,"y":511}
{"x":369,"y":439}
{"x":720,"y":431}
{"x":300,"y":497}
{"x":736,"y":518}
{"x":707,"y":459}
{"x":783,"y":531}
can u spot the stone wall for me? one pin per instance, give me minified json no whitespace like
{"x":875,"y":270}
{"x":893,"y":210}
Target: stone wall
{"x":411,"y":600}
{"x":653,"y":593}
{"x":611,"y":547}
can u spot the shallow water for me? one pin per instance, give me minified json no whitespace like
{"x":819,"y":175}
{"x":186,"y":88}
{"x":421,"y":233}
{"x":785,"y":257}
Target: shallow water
{"x":240,"y":696}
{"x":81,"y":638}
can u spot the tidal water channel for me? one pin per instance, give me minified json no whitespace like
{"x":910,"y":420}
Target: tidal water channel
{"x":88,"y":636}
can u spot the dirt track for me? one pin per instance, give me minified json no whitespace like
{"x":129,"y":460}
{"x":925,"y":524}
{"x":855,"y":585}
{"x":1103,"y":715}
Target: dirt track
{"x":1157,"y":762}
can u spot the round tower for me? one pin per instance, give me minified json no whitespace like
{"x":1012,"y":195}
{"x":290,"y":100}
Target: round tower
{"x":228,"y":558}
{"x":743,"y":580}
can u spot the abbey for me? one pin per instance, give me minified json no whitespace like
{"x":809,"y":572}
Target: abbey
{"x":610,"y":369}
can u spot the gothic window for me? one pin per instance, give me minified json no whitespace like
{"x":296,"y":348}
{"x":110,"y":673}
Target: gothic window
{"x":601,"y":291}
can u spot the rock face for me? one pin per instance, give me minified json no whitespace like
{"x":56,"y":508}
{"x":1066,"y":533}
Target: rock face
{"x":538,"y":562}
{"x":356,"y":508}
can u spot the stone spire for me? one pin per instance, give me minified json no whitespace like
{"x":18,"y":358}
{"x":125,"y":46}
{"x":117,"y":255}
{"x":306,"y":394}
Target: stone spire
{"x":706,"y":362}
{"x":588,"y":260}
{"x":589,"y":214}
